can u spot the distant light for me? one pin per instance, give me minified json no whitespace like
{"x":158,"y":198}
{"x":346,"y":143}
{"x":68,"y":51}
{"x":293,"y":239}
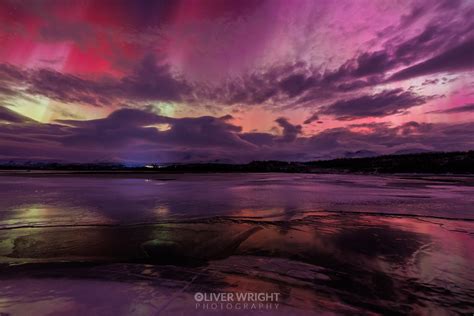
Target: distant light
{"x":149,"y":166}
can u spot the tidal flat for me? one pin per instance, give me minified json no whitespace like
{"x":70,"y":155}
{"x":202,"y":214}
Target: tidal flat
{"x":140,"y":244}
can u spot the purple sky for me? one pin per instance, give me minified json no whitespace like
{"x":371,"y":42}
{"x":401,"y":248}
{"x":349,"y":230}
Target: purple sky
{"x":234,"y":81}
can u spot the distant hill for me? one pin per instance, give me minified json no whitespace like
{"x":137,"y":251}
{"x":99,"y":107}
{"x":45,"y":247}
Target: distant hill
{"x":360,"y":154}
{"x":437,"y":163}
{"x":411,"y":151}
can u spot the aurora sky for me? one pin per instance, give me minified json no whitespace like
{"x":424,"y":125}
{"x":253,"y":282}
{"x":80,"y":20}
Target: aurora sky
{"x":234,"y":81}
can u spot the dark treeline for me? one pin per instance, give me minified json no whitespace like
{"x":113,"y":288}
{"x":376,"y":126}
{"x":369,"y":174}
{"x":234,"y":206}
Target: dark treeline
{"x":450,"y":162}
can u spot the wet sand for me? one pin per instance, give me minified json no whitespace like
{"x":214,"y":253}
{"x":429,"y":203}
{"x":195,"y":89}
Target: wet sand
{"x":328,"y":244}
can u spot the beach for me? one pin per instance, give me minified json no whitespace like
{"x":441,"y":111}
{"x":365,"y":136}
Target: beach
{"x":326,"y":244}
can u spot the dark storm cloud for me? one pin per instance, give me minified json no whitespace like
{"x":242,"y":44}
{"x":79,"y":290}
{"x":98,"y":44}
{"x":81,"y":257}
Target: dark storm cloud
{"x":298,"y":84}
{"x":416,"y":12}
{"x":130,"y":125}
{"x":206,"y":131}
{"x":122,"y":118}
{"x":459,"y":58}
{"x":440,"y":47}
{"x":445,"y":35}
{"x":385,"y":103}
{"x":382,"y":138}
{"x":130,"y":135}
{"x":429,"y":40}
{"x":294,"y":84}
{"x":311,"y":119}
{"x":11,"y":74}
{"x":411,"y":128}
{"x":150,"y":80}
{"x":437,"y":47}
{"x":259,"y":139}
{"x":69,"y":89}
{"x":372,"y":63}
{"x":290,"y":131}
{"x":153,"y":81}
{"x":460,"y":109}
{"x":11,"y":79}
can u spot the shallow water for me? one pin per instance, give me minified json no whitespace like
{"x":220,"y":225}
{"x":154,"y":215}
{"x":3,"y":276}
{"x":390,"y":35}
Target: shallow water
{"x":66,"y":199}
{"x":335,"y":244}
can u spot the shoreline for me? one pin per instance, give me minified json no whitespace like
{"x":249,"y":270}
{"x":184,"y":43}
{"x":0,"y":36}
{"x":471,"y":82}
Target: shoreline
{"x":317,"y":258}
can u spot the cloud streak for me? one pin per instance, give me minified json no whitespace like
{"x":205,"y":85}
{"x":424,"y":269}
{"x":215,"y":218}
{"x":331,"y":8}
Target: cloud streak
{"x":460,"y":109}
{"x":150,"y":80}
{"x":458,"y":58}
{"x":388,"y":102}
{"x":154,"y":81}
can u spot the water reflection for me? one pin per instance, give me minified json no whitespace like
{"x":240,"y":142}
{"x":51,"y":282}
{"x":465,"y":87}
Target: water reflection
{"x":94,"y":200}
{"x":145,"y":240}
{"x":379,"y":264}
